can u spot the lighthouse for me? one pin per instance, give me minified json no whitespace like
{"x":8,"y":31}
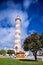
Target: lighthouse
{"x":17,"y":45}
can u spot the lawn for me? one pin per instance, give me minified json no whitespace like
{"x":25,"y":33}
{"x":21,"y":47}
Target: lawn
{"x":10,"y":61}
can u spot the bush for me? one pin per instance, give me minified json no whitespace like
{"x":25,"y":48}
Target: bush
{"x":10,"y":52}
{"x":3,"y":52}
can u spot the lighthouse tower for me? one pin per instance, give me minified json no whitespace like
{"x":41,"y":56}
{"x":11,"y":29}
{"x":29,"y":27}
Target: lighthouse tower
{"x":17,"y":45}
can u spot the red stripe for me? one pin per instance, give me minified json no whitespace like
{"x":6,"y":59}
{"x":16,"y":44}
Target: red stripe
{"x":17,"y":38}
{"x":17,"y":28}
{"x":17,"y":33}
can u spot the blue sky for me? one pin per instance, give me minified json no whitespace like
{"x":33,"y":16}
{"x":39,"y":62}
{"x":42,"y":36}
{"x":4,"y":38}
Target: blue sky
{"x":31,"y":14}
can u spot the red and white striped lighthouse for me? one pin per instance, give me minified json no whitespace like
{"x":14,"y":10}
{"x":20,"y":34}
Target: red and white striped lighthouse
{"x":17,"y":45}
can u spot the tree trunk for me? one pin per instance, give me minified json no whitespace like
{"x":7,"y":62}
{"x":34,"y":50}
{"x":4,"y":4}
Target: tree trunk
{"x":35,"y":55}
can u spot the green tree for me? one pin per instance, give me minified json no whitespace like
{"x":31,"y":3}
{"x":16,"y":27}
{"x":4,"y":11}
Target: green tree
{"x":3,"y":52}
{"x":32,"y":43}
{"x":0,"y":51}
{"x":10,"y":52}
{"x":41,"y":39}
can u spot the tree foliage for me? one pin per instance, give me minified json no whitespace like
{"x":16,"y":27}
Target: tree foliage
{"x":10,"y":52}
{"x":3,"y":52}
{"x":41,"y":39}
{"x":34,"y":43}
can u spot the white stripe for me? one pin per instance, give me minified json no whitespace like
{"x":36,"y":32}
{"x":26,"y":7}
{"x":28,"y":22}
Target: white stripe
{"x":17,"y":41}
{"x":17,"y":36}
{"x":18,"y":25}
{"x":17,"y":31}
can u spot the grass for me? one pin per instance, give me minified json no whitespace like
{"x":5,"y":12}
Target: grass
{"x":10,"y":61}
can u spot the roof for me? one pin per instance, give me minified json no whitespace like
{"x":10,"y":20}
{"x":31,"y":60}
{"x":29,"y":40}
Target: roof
{"x":20,"y":52}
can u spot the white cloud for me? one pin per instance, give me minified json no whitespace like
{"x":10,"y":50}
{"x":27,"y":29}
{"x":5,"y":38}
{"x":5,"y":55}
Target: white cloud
{"x":12,"y":14}
{"x":7,"y":34}
{"x":27,"y":3}
{"x":25,"y":24}
{"x":32,"y":31}
{"x":23,"y":33}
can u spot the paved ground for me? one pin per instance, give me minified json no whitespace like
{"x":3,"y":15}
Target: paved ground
{"x":28,"y":57}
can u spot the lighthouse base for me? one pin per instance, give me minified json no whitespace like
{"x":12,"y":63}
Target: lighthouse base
{"x":20,"y":55}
